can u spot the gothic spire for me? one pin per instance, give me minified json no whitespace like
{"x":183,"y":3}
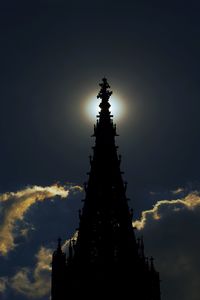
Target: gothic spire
{"x":105,"y":256}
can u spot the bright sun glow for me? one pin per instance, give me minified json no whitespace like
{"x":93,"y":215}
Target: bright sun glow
{"x":117,"y":108}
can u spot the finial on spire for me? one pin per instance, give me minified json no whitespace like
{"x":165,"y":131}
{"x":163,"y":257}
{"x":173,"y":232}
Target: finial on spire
{"x":70,"y":250}
{"x":140,"y":244}
{"x":152,"y":264}
{"x":104,"y":94}
{"x":142,"y":247}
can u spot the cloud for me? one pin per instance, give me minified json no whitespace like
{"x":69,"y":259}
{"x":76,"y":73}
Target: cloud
{"x":14,"y":205}
{"x":169,"y":231}
{"x":3,"y":284}
{"x":75,"y":189}
{"x":34,"y":283}
{"x":171,"y":235}
{"x":178,"y":191}
{"x":189,"y":202}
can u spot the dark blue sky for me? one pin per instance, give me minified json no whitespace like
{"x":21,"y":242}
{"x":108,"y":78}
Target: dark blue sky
{"x":53,"y":54}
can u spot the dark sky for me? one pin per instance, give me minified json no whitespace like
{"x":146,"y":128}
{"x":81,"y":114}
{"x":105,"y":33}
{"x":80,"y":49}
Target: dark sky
{"x":53,"y":54}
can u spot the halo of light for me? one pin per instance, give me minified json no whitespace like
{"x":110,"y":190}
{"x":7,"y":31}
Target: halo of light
{"x":92,"y":109}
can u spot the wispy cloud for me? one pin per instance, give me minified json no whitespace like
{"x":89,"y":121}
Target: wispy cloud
{"x":14,"y":205}
{"x":3,"y":284}
{"x":34,"y":283}
{"x":178,"y":191}
{"x":190,"y":201}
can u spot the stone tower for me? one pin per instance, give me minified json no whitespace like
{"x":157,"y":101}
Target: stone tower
{"x":106,"y":260}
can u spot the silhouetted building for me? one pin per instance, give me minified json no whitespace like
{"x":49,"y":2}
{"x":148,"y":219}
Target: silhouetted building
{"x":105,"y":260}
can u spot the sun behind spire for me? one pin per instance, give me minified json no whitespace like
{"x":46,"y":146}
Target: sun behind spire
{"x":104,"y":94}
{"x":109,"y":104}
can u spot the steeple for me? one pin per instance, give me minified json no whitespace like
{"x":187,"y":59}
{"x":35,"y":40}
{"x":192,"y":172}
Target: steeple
{"x":59,"y":245}
{"x":105,"y":232}
{"x":106,"y":259}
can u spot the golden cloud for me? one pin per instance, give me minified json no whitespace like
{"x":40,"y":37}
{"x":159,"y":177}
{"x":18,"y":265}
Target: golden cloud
{"x":40,"y":285}
{"x":190,"y":201}
{"x":17,"y":204}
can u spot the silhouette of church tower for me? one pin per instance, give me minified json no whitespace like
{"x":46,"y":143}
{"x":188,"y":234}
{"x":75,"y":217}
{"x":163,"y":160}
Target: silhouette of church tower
{"x":105,"y":260}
